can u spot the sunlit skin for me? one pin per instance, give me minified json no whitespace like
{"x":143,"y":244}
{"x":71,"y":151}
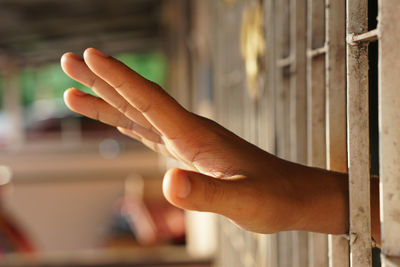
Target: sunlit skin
{"x":228,"y":175}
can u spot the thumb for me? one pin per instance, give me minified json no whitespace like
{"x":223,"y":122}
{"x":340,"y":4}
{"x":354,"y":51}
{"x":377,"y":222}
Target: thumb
{"x":195,"y":191}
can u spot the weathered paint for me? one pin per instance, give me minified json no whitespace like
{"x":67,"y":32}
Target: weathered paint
{"x":358,"y":136}
{"x":389,"y":130}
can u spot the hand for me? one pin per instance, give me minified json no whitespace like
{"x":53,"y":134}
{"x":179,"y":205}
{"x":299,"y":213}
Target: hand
{"x":229,"y":175}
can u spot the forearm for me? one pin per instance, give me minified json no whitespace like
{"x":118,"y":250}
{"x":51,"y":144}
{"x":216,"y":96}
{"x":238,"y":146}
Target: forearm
{"x":323,"y":200}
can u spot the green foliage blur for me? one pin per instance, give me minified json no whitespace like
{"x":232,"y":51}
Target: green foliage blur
{"x":50,"y":82}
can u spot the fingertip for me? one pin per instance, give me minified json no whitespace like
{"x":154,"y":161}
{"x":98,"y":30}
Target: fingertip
{"x":76,"y":100}
{"x":176,"y":186}
{"x":67,"y":97}
{"x":69,"y":55}
{"x":87,"y":51}
{"x":167,"y":186}
{"x":69,"y":94}
{"x":74,"y":92}
{"x":93,"y":51}
{"x":68,"y":63}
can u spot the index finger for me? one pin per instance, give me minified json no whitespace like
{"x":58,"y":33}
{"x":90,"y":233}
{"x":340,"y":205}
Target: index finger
{"x":166,"y":115}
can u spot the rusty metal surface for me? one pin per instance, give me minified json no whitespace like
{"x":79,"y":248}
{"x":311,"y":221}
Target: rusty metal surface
{"x":389,"y":129}
{"x":358,"y":137}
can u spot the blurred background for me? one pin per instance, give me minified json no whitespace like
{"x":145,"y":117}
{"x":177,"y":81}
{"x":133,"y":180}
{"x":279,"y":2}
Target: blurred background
{"x":75,"y":192}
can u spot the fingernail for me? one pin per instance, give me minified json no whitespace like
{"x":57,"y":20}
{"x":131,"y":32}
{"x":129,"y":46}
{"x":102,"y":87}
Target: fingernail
{"x":184,"y":187}
{"x":76,"y":57}
{"x":98,"y":52}
{"x":79,"y":93}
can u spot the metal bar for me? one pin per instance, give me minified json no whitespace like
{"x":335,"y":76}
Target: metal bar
{"x":267,"y":244}
{"x":284,"y":62}
{"x":282,"y":80}
{"x":335,"y":80}
{"x":248,"y":254}
{"x":298,"y":82}
{"x":369,"y":36}
{"x":282,"y":38}
{"x":358,"y":136}
{"x":298,"y":110}
{"x":317,"y":51}
{"x":300,"y":255}
{"x":267,"y":104}
{"x":284,"y":249}
{"x":318,"y":244}
{"x":389,"y":129}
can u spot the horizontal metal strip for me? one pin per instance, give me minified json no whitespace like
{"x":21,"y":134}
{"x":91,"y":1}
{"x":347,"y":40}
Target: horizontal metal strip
{"x":317,"y":51}
{"x":285,"y":62}
{"x":369,"y":36}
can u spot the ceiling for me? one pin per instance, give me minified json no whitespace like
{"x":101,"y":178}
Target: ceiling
{"x":39,"y":31}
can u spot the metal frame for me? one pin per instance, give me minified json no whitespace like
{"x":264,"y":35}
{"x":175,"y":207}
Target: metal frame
{"x":316,"y":48}
{"x":389,"y":128}
{"x":335,"y":82}
{"x":318,"y":91}
{"x":358,"y":136}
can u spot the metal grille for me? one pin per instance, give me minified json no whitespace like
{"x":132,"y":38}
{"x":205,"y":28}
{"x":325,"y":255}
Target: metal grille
{"x":313,"y":109}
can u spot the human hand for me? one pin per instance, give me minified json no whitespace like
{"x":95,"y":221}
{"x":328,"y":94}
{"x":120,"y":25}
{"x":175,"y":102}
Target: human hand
{"x":228,"y":175}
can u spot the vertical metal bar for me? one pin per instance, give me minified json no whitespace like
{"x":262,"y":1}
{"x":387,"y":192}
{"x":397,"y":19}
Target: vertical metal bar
{"x":268,"y":243}
{"x":335,"y":60}
{"x":298,"y":110}
{"x":251,"y":130}
{"x":316,"y":88}
{"x":300,"y":256}
{"x":284,"y":249}
{"x":216,"y":61}
{"x":389,"y":129}
{"x":358,"y":136}
{"x":298,"y":88}
{"x":280,"y":47}
{"x":282,"y":38}
{"x":318,"y":244}
{"x":282,"y":79}
{"x":267,"y":103}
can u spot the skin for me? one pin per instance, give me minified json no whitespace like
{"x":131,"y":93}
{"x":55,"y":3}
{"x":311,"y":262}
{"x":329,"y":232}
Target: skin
{"x":228,"y":175}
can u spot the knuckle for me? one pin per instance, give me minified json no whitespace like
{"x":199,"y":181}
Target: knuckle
{"x":120,"y":85}
{"x":96,"y":109}
{"x":143,"y":108}
{"x":92,"y":82}
{"x":97,"y":115}
{"x":123,"y":107}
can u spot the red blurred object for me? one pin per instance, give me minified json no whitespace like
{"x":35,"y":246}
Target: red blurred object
{"x":12,"y":237}
{"x":154,"y":221}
